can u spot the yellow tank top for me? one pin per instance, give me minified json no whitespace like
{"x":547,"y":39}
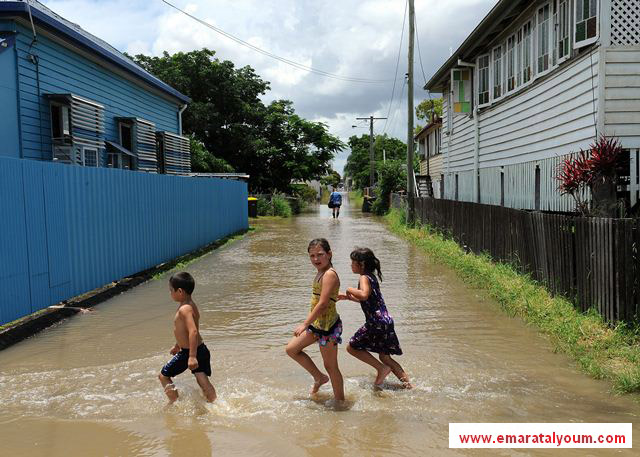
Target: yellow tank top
{"x":326,"y":320}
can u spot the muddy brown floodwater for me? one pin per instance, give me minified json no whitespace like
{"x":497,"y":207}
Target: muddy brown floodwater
{"x":88,"y":386}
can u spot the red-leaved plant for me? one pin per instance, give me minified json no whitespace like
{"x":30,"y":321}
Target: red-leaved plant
{"x":588,"y":169}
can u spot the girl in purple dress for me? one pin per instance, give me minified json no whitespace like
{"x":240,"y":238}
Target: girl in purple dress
{"x":378,"y":333}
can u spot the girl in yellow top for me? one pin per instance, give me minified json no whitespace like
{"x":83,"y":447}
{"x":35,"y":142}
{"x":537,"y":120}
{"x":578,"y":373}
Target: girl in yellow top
{"x":323,"y":323}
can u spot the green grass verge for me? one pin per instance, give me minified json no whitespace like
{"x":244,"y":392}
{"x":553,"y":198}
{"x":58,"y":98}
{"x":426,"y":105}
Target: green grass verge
{"x":602,"y":351}
{"x":356,"y":198}
{"x":197,"y":255}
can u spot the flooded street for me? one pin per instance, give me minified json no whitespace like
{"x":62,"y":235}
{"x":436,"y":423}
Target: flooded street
{"x":88,"y":386}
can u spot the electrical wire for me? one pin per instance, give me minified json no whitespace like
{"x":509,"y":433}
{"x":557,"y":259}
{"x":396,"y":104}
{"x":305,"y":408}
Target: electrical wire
{"x":276,"y":57}
{"x":395,"y":75}
{"x":415,"y":23}
{"x":392,"y":122}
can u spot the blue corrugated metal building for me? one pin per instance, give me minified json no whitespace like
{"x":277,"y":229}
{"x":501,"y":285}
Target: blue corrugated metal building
{"x":66,"y":95}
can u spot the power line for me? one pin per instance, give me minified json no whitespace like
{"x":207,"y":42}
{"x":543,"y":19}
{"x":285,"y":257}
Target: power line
{"x":415,"y":23}
{"x":395,"y":75}
{"x":297,"y":65}
{"x":392,"y":121}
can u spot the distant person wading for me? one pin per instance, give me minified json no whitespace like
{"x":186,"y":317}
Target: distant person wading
{"x":335,"y":201}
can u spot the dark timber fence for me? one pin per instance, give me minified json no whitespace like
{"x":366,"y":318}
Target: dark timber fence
{"x":593,"y":261}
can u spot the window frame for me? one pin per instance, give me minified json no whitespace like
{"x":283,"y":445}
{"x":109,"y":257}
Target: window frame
{"x":550,"y":39}
{"x":83,"y":156}
{"x":492,"y":94}
{"x":488,"y":80}
{"x":558,"y":30}
{"x":586,"y":42}
{"x":531,"y":51}
{"x":511,"y":52}
{"x":65,"y":112}
{"x":130,"y":126}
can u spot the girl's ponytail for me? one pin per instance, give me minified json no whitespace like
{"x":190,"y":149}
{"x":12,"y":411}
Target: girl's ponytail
{"x":368,"y":259}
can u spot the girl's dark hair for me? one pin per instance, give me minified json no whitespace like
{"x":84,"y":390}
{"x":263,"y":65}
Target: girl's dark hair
{"x":368,"y":259}
{"x":323,"y":243}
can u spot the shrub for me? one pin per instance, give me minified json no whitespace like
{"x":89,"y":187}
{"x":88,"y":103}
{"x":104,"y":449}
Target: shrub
{"x":392,"y":177}
{"x":276,"y":205}
{"x":280,"y":206}
{"x":305,"y":193}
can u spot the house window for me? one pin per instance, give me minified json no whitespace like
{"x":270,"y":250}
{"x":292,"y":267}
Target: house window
{"x":89,"y":157}
{"x":126,"y":136}
{"x":497,"y":72}
{"x":562,"y":30}
{"x":113,"y":160}
{"x":524,"y":54}
{"x":438,"y":140}
{"x":511,"y":63}
{"x":586,"y":25}
{"x":483,"y":80}
{"x":544,"y":21}
{"x":461,"y":83}
{"x":60,"y":122}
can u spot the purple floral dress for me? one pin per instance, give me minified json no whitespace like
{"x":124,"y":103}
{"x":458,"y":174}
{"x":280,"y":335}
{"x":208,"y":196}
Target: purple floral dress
{"x":377,"y":334}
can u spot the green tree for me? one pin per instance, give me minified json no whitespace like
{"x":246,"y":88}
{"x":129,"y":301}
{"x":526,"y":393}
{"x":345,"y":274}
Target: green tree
{"x":427,"y":110}
{"x":235,"y":128}
{"x":357,"y":165}
{"x":393,"y":177}
{"x":332,"y":179}
{"x":203,"y":161}
{"x":291,"y":148}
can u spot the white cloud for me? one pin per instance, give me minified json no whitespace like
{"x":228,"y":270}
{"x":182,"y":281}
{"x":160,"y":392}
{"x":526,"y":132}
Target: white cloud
{"x":356,"y":38}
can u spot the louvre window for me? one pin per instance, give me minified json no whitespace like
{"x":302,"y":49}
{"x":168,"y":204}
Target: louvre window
{"x":483,"y":80}
{"x":77,"y":125}
{"x":586,"y":23}
{"x":175,"y":153}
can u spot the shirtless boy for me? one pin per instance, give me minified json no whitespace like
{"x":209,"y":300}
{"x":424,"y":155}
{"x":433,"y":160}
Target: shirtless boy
{"x":189,"y":350}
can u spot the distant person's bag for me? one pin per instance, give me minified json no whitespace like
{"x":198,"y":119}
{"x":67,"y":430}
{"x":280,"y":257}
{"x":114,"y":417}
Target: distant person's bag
{"x":330,"y":204}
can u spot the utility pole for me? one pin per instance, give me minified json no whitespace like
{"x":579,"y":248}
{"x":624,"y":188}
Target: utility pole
{"x":371,"y":158}
{"x":410,"y":181}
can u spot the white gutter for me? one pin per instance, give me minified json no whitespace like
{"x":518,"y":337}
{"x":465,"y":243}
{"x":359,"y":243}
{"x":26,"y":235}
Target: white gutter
{"x":184,"y":107}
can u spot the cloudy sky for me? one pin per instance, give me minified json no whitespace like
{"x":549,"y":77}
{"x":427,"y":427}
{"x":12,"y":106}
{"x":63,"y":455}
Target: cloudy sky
{"x":351,"y":38}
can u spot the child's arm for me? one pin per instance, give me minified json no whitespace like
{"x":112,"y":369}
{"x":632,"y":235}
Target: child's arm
{"x":348,"y":296}
{"x":175,"y":349}
{"x":362,"y":293}
{"x":329,"y":283}
{"x":192,"y":329}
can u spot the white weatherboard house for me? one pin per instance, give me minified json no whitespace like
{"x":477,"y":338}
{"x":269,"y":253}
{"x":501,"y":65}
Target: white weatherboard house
{"x":534,"y":82}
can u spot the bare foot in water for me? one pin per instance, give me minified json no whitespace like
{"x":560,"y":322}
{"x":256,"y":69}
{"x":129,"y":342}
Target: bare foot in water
{"x":382,"y":374}
{"x":318,"y":382}
{"x":171,"y":392}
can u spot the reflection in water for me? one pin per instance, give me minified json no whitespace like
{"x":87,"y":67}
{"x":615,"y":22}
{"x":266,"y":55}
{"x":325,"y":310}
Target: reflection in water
{"x":89,"y":385}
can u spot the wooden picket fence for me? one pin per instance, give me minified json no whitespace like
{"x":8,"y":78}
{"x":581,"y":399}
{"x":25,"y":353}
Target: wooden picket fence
{"x":593,"y":261}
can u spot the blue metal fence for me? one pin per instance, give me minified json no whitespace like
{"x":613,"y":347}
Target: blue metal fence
{"x":67,"y":229}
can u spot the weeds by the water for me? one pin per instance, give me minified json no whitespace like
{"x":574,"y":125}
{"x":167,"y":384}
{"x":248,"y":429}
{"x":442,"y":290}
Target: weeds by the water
{"x":602,"y":351}
{"x":197,"y":255}
{"x":356,"y":199}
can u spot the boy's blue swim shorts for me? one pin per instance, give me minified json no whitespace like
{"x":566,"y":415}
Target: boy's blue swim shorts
{"x":179,"y":362}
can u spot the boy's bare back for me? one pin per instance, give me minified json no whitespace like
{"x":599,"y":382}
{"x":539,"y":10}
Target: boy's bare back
{"x":187,"y":312}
